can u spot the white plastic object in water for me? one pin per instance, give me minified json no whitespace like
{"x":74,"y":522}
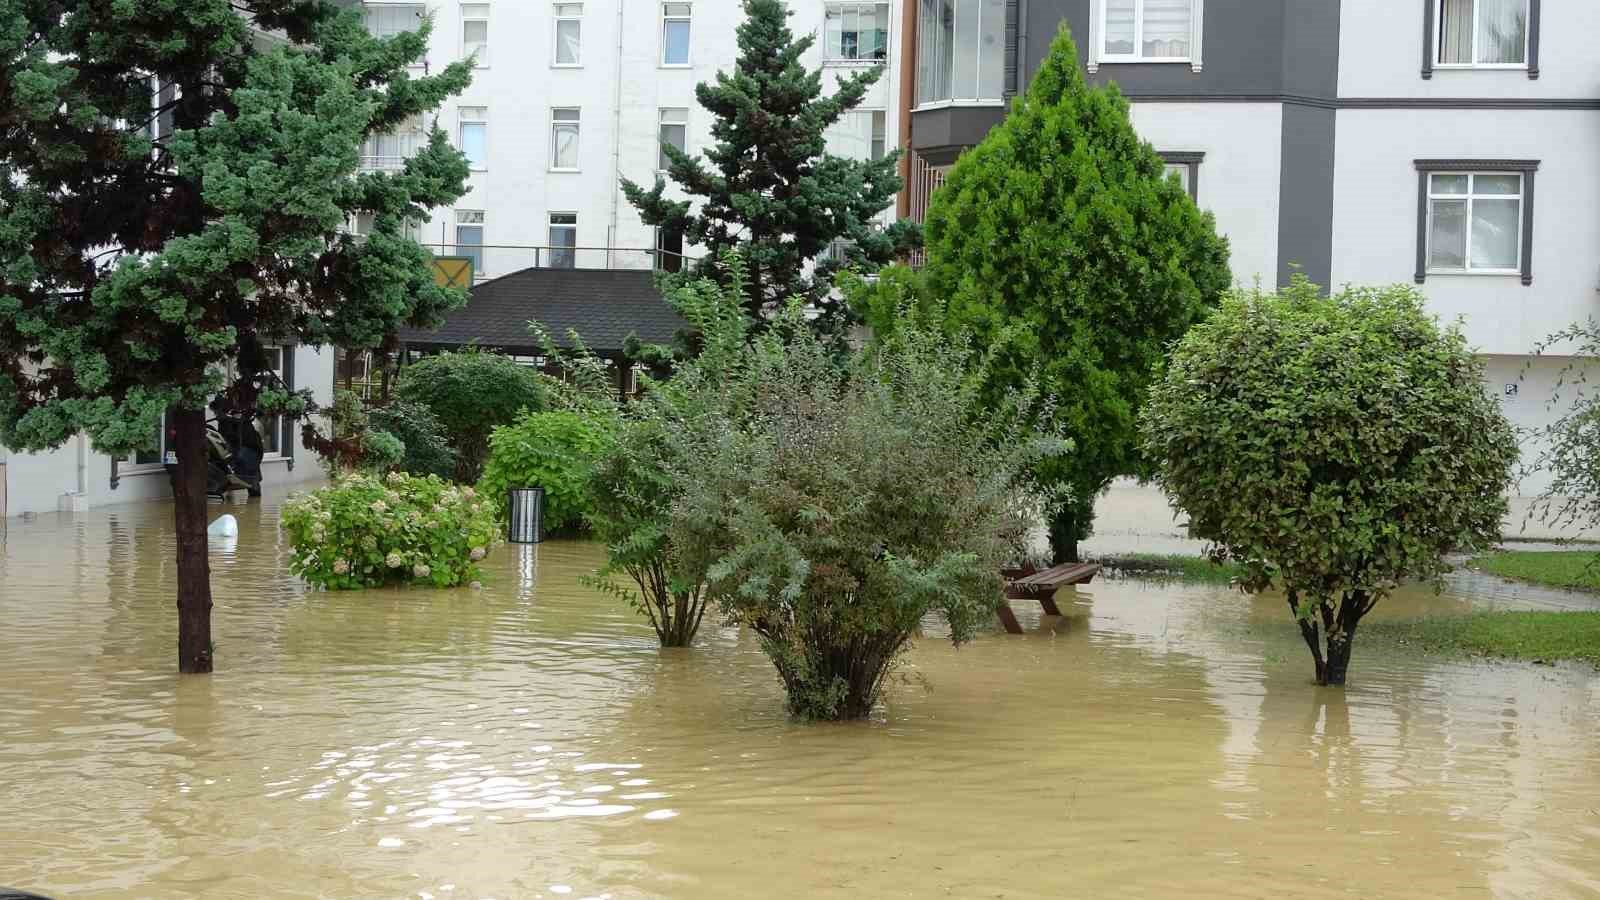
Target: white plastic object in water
{"x":226,"y":526}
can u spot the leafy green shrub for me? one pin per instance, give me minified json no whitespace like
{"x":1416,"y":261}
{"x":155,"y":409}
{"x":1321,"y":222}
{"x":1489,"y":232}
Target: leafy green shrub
{"x":364,"y":531}
{"x":472,"y":392}
{"x":826,"y":505}
{"x":1333,"y":447}
{"x":355,"y":444}
{"x":1063,"y":222}
{"x":426,"y":450}
{"x":553,"y":450}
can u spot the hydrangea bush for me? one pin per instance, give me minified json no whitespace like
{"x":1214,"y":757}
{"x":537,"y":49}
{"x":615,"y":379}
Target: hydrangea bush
{"x":365,"y":531}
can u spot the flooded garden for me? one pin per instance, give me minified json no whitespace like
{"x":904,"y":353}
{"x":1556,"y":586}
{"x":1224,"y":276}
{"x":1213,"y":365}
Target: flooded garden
{"x":531,"y":738}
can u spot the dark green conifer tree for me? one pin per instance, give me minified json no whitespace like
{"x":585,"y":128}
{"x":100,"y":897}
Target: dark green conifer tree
{"x":174,"y":180}
{"x":767,"y":187}
{"x":1059,"y":241}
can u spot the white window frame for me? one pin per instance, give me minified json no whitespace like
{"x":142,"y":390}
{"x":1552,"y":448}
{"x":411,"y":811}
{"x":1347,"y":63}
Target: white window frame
{"x":681,"y":120}
{"x":473,"y":115}
{"x":420,"y":9}
{"x":473,"y":218}
{"x":482,"y":62}
{"x":1521,"y":197}
{"x":1477,"y":6}
{"x":577,"y":124}
{"x":130,"y":465}
{"x":550,"y":227}
{"x":1097,"y":30}
{"x":277,"y":421}
{"x":829,"y":7}
{"x":688,"y":58}
{"x":560,"y":13}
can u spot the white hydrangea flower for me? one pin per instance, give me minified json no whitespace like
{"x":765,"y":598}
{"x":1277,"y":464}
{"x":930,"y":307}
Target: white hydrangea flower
{"x":394,"y":560}
{"x":477,"y":554}
{"x":420,"y":570}
{"x":380,"y":507}
{"x":341,"y":567}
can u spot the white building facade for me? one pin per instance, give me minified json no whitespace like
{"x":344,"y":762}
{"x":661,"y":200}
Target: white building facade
{"x":1451,"y":144}
{"x":568,"y":99}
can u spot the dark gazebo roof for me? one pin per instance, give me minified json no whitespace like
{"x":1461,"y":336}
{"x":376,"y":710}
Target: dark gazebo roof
{"x":604,"y":307}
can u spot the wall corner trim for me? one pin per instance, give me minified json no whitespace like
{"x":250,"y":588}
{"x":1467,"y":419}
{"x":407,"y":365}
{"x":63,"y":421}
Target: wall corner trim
{"x":1427,"y":37}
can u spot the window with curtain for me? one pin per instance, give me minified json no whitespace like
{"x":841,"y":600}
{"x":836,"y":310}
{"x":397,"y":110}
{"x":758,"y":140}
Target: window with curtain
{"x":1146,"y":30}
{"x":961,"y":50}
{"x":475,"y":32}
{"x":469,"y":237}
{"x":1474,"y":222}
{"x":675,"y":33}
{"x":272,"y":428}
{"x":674,"y":132}
{"x":564,"y":139}
{"x":475,"y":136}
{"x":1483,"y":32}
{"x":856,"y":31}
{"x":569,"y":34}
{"x":390,"y":19}
{"x":563,"y":240}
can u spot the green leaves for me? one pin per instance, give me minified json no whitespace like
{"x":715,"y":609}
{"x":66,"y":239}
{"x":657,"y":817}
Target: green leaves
{"x":1332,"y":446}
{"x":553,"y":450}
{"x":1059,"y":242}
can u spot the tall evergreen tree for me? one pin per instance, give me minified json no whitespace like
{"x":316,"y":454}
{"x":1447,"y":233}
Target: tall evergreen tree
{"x":174,"y":176}
{"x":1059,"y":240}
{"x":767,"y":187}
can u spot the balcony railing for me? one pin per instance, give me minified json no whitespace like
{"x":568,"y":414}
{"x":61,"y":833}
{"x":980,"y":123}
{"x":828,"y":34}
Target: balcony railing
{"x":389,"y":152}
{"x":494,"y":260}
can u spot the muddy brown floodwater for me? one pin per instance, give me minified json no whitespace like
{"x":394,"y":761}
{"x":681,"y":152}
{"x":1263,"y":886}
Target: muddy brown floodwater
{"x":530,"y":740}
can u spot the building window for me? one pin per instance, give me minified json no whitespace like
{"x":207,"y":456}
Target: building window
{"x":564,"y":139}
{"x":1475,"y":217}
{"x":569,"y":34}
{"x":390,"y":19}
{"x":274,"y":430}
{"x":669,"y":250}
{"x":563,"y":240}
{"x":160,"y":450}
{"x":1483,"y":33}
{"x":1187,"y":167}
{"x":469,"y":237}
{"x":856,"y":31}
{"x":389,"y":151}
{"x":475,"y":136}
{"x":859,"y":134}
{"x":961,"y":50}
{"x":475,"y":32}
{"x":1147,"y":30}
{"x":675,"y":34}
{"x":674,"y":133}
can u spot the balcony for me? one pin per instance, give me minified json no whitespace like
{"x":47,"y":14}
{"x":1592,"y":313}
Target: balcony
{"x":961,"y":75}
{"x":389,"y":152}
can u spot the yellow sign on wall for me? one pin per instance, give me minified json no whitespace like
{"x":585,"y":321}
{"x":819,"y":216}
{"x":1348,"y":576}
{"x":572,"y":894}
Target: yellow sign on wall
{"x":453,"y":271}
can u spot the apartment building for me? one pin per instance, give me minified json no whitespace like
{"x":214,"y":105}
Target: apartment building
{"x":568,"y":99}
{"x":1360,"y":141}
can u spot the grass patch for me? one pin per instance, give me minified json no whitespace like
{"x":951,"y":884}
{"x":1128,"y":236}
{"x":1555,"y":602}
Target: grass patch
{"x":1534,"y":636}
{"x":1579,"y":569}
{"x":1174,"y":566}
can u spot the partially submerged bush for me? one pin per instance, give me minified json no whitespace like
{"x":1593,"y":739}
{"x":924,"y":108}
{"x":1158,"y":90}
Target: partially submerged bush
{"x":472,"y":392}
{"x":553,"y":450}
{"x":426,"y":450}
{"x":1332,"y":447}
{"x":365,"y":531}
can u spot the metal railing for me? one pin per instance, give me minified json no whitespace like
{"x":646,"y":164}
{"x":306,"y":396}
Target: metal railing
{"x":494,"y":260}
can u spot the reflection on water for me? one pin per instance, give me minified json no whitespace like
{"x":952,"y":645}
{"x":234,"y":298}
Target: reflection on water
{"x":529,"y":739}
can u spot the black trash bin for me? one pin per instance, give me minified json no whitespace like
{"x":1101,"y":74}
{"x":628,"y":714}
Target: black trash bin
{"x":527,"y":516}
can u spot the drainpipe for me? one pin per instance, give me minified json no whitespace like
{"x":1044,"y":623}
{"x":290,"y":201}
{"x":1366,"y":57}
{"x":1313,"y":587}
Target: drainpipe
{"x":616,"y":142}
{"x":908,"y":90}
{"x":1021,"y":84}
{"x":83,"y":465}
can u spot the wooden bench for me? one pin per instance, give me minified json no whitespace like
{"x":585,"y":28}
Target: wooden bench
{"x":1041,"y":586}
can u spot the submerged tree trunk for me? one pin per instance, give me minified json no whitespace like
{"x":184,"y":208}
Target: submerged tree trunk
{"x":194,"y":567}
{"x":1331,"y":643}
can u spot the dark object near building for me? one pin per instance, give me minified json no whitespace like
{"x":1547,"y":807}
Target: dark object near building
{"x":14,"y":894}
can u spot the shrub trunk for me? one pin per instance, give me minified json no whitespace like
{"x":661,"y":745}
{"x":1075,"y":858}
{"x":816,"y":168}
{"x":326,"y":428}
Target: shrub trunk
{"x":834,"y":680}
{"x":194,"y":565}
{"x":1331,"y":643}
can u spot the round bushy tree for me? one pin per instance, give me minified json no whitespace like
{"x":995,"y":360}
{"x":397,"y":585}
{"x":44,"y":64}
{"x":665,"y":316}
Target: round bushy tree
{"x":427,"y":451}
{"x":472,"y":392}
{"x":556,"y":451}
{"x":1059,"y":242}
{"x":1333,"y":447}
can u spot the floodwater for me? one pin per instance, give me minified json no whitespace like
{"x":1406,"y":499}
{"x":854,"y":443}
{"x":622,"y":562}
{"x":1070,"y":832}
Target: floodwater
{"x":530,"y":740}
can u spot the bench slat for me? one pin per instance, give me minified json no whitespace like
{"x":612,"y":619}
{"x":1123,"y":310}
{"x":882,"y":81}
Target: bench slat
{"x":1066,"y":573}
